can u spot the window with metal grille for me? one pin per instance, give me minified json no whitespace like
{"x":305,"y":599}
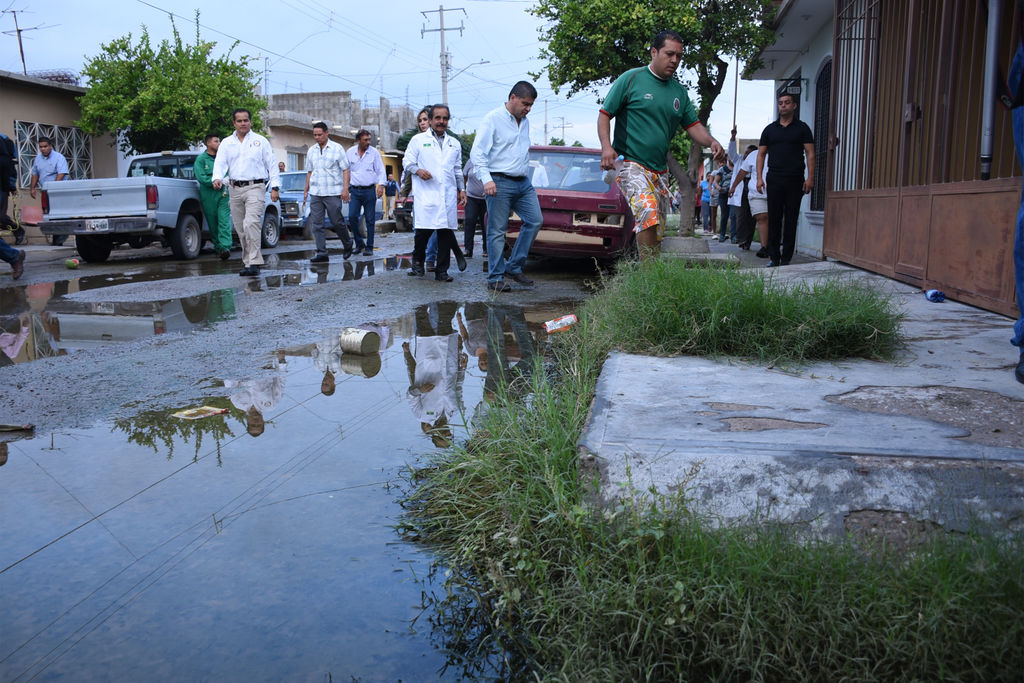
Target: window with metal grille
{"x":72,"y":142}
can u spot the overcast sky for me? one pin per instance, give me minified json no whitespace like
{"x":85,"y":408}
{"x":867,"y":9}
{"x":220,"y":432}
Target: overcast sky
{"x":375,"y":50}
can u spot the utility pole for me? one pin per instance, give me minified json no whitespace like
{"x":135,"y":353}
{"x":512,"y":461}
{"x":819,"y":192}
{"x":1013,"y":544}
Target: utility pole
{"x":547,"y":140}
{"x":564,"y":125}
{"x":445,"y":57}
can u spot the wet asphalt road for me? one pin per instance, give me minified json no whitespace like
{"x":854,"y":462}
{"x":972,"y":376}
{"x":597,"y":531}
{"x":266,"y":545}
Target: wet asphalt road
{"x":290,"y":304}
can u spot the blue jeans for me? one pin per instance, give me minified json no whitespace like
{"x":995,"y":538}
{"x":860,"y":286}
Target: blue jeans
{"x":518,"y":196}
{"x":8,"y":253}
{"x":1017,"y":81}
{"x":364,"y":201}
{"x":705,"y":214}
{"x":432,"y":248}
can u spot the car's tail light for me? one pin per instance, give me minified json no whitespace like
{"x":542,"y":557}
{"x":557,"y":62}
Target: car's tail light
{"x":152,"y":197}
{"x":46,"y":202}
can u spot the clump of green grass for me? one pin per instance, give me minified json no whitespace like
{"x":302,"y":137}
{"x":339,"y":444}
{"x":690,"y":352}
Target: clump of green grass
{"x":668,"y":308}
{"x":651,"y":592}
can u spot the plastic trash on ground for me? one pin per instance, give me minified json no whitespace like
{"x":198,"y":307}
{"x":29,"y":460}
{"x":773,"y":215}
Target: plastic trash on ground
{"x":935,"y":295}
{"x":198,"y":413}
{"x":560,"y":324}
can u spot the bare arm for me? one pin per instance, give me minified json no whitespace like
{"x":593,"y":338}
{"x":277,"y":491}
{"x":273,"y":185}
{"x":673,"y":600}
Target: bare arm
{"x":809,"y":183}
{"x":604,"y":134}
{"x":762,"y":153}
{"x":699,"y":134}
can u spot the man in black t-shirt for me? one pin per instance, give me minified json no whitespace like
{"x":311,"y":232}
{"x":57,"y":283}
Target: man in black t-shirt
{"x":787,"y":140}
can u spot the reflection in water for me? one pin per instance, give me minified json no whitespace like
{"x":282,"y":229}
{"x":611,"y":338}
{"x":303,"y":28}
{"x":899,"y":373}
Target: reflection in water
{"x":436,"y":368}
{"x":109,"y":544}
{"x":159,"y":430}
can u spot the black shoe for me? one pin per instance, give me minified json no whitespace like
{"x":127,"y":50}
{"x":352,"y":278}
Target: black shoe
{"x":520,"y":278}
{"x":460,"y":259}
{"x":368,"y":251}
{"x":245,"y":271}
{"x":18,"y":267}
{"x":762,"y":253}
{"x":442,"y":276}
{"x":347,"y":252}
{"x":469,"y":254}
{"x":320,"y":258}
{"x":417,"y":269}
{"x":254,"y":271}
{"x":1018,"y":373}
{"x":498,"y":287}
{"x":785,"y":263}
{"x":223,"y":254}
{"x":430,"y":266}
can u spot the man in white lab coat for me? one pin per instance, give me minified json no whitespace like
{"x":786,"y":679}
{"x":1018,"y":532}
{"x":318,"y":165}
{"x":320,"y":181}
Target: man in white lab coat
{"x":434,"y":159}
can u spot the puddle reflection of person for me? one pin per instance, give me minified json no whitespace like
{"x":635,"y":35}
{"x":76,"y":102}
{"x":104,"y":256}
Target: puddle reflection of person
{"x":256,"y":397}
{"x":326,"y":356}
{"x":506,"y":362}
{"x":436,"y":370}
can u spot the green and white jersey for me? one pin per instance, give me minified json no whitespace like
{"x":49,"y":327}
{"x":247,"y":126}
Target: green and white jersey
{"x":647,"y":112}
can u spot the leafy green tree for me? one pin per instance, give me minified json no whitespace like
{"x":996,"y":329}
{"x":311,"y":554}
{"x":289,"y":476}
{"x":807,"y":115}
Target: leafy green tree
{"x":168,"y":97}
{"x":558,"y":142}
{"x":588,"y":44}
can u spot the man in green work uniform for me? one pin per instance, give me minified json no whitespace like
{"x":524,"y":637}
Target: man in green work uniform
{"x":215,"y":202}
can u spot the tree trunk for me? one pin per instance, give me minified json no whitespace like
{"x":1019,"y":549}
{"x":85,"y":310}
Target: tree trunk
{"x":687,"y":188}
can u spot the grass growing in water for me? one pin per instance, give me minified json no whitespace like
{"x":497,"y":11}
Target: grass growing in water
{"x":652,"y":593}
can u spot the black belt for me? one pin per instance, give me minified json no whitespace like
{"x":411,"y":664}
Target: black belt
{"x":507,"y":176}
{"x":362,"y":187}
{"x":243,"y":183}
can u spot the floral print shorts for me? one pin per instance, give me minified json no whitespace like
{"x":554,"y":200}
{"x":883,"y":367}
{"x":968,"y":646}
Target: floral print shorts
{"x":647,"y":194}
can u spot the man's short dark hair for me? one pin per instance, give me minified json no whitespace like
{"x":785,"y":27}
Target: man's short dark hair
{"x":751,"y":148}
{"x":661,"y":37}
{"x":361,"y":133}
{"x":236,"y":112}
{"x":523,"y":90}
{"x":206,"y":140}
{"x":321,"y":125}
{"x":435,"y":107}
{"x":43,"y":138}
{"x":792,"y":98}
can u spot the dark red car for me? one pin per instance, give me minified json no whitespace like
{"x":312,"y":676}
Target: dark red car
{"x":584,"y":216}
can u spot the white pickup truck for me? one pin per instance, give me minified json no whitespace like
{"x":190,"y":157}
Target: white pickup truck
{"x":157,"y":202}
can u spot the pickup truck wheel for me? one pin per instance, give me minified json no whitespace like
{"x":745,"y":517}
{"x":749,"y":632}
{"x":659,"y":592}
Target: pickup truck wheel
{"x":271,"y":232}
{"x":92,"y":248}
{"x":187,"y":238}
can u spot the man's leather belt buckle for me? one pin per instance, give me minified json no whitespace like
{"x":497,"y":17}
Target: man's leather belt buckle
{"x":243,"y":183}
{"x":507,"y":176}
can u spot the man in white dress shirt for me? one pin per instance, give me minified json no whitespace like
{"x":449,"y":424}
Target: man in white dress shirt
{"x":246,"y":161}
{"x":367,"y":172}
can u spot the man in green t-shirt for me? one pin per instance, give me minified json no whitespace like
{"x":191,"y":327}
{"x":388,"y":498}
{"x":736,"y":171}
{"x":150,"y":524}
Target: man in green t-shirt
{"x":649,"y":105}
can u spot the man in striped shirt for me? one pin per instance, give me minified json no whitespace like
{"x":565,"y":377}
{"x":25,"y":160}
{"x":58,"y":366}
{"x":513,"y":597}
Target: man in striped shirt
{"x":327,"y":181}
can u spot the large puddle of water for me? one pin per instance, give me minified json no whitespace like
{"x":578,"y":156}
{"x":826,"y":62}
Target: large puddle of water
{"x":258,"y":543}
{"x":39,"y":321}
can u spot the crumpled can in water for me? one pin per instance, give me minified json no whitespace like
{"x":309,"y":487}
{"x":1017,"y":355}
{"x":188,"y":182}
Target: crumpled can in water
{"x":359,"y":341}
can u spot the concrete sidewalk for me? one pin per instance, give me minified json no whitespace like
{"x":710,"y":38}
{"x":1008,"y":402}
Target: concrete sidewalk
{"x":933,"y":440}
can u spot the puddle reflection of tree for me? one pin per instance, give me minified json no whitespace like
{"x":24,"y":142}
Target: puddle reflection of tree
{"x":159,"y":429}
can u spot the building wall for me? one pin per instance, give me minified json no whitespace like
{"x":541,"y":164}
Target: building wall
{"x":346,"y":115}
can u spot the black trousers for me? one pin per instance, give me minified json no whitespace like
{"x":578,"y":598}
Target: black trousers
{"x":745,"y":223}
{"x":476,"y":210}
{"x":784,"y":196}
{"x":446,"y":244}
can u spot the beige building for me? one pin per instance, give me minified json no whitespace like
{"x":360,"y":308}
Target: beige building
{"x":31,"y":107}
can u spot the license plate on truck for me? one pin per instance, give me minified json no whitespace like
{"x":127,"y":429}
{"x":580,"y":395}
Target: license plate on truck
{"x":97,"y":225}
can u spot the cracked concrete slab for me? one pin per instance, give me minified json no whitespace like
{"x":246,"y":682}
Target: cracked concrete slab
{"x":934,"y":438}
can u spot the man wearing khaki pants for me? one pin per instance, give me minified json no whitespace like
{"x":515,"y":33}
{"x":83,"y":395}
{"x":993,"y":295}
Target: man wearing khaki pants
{"x":246,"y":161}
